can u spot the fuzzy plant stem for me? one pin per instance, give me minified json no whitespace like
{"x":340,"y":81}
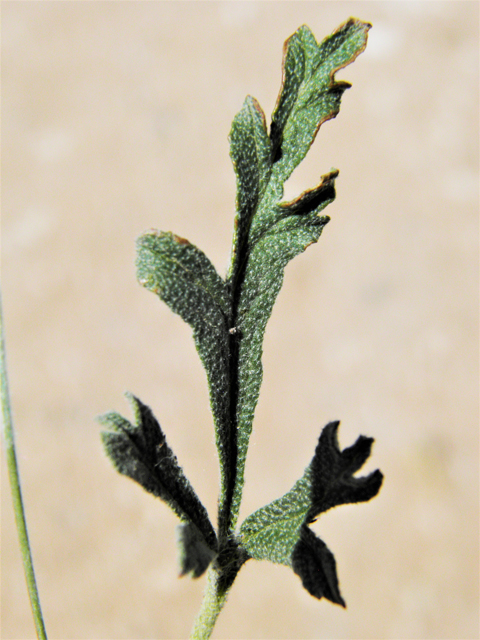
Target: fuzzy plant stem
{"x":213,"y":600}
{"x":8,"y":438}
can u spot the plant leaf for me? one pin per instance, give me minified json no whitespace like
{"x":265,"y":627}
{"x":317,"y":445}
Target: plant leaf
{"x":185,"y":279}
{"x":141,"y":452}
{"x":269,"y":233}
{"x":250,"y":150}
{"x":309,"y":94}
{"x":278,"y":532}
{"x":313,"y":561}
{"x":229,"y":318}
{"x":272,"y":532}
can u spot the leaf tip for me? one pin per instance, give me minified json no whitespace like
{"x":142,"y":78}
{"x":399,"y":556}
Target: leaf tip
{"x":315,"y":564}
{"x":180,"y":240}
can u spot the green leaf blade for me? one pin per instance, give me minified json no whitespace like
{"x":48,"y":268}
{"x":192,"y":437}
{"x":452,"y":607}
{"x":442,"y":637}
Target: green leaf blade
{"x":184,"y":278}
{"x":309,"y":94}
{"x":279,"y":531}
{"x":269,"y":233}
{"x":292,"y":228}
{"x":271,"y":533}
{"x":140,"y":452}
{"x":228,"y":318}
{"x":250,"y":150}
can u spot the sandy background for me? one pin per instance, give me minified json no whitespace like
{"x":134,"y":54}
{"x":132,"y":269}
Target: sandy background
{"x":115,"y":119}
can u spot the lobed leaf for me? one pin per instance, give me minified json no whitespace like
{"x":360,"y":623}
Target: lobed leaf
{"x":185,"y":279}
{"x":310,"y":95}
{"x":140,"y":451}
{"x":269,"y":233}
{"x":278,"y":532}
{"x":228,"y":318}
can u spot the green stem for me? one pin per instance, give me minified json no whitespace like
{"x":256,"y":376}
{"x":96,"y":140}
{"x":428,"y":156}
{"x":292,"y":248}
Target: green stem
{"x":8,"y":437}
{"x":213,"y":601}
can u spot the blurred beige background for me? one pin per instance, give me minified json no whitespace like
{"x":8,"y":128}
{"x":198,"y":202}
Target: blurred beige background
{"x":115,"y":119}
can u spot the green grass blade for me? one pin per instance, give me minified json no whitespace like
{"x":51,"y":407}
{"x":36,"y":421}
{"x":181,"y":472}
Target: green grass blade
{"x":14,"y":477}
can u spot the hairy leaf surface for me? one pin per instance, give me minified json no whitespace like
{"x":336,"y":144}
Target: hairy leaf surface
{"x":140,"y":451}
{"x":268,"y":232}
{"x":185,"y":279}
{"x":228,"y":318}
{"x":309,"y":94}
{"x":278,"y":532}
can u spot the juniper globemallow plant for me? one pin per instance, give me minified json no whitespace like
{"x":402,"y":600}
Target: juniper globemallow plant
{"x":228,"y":317}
